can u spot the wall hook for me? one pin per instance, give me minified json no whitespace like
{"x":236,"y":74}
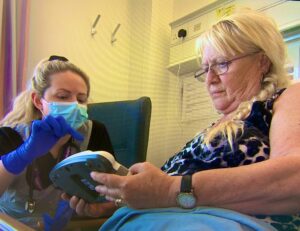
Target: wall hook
{"x":93,"y":30}
{"x":113,"y":35}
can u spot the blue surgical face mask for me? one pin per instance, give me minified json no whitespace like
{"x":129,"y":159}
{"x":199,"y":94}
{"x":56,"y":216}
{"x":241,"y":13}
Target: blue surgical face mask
{"x":75,"y":114}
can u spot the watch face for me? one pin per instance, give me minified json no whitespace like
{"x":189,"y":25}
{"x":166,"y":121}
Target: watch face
{"x":186,"y":200}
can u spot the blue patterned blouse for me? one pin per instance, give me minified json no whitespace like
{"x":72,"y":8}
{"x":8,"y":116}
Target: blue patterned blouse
{"x":249,"y":147}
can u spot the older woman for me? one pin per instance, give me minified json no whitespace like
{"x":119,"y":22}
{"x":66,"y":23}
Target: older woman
{"x":248,"y":161}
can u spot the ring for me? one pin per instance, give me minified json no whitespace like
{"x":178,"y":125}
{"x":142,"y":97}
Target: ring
{"x":119,"y":202}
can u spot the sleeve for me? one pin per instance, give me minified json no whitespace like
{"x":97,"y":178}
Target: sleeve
{"x":9,"y":140}
{"x":100,"y":139}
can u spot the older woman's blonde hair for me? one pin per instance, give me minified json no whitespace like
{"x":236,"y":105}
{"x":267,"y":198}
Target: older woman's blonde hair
{"x":24,"y":111}
{"x":247,"y":31}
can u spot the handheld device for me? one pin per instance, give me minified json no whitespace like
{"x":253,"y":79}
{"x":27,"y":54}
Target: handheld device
{"x":72,"y":175}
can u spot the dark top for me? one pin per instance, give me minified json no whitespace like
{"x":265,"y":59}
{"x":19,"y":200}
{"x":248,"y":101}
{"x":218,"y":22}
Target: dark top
{"x":12,"y":201}
{"x":11,"y":139}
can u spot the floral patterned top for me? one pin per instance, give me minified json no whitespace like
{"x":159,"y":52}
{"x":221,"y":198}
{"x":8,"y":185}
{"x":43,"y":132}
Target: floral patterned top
{"x":249,"y":147}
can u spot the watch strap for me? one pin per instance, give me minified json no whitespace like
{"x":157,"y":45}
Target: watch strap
{"x":186,"y":184}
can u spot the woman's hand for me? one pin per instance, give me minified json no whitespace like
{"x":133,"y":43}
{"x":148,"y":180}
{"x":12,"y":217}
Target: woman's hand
{"x":44,"y":135}
{"x":146,"y":187}
{"x":82,"y":208}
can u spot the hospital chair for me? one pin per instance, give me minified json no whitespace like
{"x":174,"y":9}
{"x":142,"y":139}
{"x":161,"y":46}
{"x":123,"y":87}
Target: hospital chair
{"x":127,"y":123}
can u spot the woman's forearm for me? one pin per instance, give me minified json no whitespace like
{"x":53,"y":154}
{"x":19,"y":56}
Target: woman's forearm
{"x":268,"y":187}
{"x":6,"y":178}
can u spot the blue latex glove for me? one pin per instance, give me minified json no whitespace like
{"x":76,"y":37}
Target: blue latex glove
{"x":44,"y":135}
{"x":61,"y":218}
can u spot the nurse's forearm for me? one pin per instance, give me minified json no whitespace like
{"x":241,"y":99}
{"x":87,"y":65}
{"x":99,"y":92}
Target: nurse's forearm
{"x":6,"y":178}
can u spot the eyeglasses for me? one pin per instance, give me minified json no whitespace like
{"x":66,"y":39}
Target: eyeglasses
{"x":218,"y":68}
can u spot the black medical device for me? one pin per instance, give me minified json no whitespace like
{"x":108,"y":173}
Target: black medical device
{"x":72,"y":175}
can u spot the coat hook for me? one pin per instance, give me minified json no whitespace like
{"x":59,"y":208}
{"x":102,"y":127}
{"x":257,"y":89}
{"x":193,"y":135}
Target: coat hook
{"x":93,"y":30}
{"x":113,"y":39}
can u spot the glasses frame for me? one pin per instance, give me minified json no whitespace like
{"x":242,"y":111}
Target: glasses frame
{"x":201,"y":75}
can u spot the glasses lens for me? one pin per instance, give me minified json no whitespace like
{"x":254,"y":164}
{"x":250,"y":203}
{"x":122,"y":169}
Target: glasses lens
{"x":220,"y":68}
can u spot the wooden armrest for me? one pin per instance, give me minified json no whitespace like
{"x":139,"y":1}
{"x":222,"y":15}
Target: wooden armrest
{"x":80,"y":223}
{"x":9,"y":223}
{"x":86,"y":223}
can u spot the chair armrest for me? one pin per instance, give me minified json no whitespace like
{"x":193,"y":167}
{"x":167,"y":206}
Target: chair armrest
{"x":9,"y":223}
{"x":82,"y":223}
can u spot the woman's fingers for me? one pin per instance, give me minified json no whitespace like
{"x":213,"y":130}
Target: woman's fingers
{"x":80,"y":207}
{"x":110,"y":185}
{"x":65,"y":128}
{"x":109,"y":180}
{"x":73,"y":202}
{"x":110,"y":193}
{"x":114,"y":186}
{"x":54,"y":124}
{"x":65,"y":196}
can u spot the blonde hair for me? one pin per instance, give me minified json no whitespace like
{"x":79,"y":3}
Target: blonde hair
{"x":24,"y":110}
{"x":247,"y":31}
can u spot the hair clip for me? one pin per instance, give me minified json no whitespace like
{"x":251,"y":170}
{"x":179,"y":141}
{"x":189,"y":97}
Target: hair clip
{"x":56,"y":57}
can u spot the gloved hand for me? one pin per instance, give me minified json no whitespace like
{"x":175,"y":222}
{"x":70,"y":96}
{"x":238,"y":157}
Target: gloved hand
{"x":61,"y":218}
{"x":44,"y":135}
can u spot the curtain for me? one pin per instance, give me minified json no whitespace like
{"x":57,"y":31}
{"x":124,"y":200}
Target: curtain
{"x":14,"y":22}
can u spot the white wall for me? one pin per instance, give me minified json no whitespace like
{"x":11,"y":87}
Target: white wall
{"x":182,"y":8}
{"x":293,"y":49}
{"x":206,"y":115}
{"x":134,"y":66}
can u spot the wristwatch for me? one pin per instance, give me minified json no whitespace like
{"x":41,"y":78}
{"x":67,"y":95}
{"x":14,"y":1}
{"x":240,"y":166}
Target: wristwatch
{"x":186,"y":198}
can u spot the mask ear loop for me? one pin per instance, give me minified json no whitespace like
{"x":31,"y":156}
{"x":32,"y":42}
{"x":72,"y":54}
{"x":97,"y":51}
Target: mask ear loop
{"x":43,"y":115}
